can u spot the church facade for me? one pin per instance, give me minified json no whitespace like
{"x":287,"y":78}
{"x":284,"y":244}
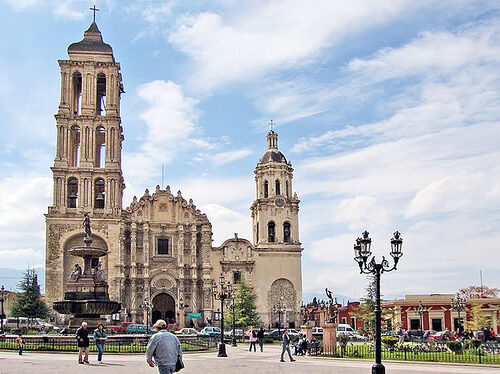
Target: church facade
{"x":160,"y":246}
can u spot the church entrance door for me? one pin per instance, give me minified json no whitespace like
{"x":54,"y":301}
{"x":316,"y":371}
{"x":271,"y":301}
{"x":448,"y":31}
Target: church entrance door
{"x":164,"y":308}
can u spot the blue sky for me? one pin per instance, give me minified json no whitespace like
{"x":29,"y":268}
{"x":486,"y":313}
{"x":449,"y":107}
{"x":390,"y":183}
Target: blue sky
{"x":388,"y":111}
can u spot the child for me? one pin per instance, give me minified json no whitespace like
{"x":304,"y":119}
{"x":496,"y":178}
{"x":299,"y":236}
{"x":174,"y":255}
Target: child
{"x":20,"y":343}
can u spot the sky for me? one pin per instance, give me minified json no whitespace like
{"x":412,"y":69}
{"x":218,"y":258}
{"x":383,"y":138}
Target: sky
{"x":388,"y":110}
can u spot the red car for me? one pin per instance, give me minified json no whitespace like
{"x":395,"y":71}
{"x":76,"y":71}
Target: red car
{"x":446,"y":335}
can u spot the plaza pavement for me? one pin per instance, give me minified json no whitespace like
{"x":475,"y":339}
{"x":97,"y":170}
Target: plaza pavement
{"x":239,"y":361}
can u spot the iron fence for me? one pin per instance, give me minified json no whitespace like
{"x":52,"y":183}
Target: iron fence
{"x":114,"y":344}
{"x":487,"y":353}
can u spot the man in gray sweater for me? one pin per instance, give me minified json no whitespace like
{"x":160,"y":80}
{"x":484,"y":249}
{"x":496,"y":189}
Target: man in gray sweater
{"x":163,"y":349}
{"x":286,"y":346}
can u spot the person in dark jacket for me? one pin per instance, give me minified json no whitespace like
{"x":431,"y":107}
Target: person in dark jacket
{"x":286,"y":346}
{"x":100,"y":337}
{"x":82,"y":337}
{"x":260,"y":338}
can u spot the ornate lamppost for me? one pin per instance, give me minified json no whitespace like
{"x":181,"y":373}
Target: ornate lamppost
{"x":361,"y":253}
{"x":223,"y":294}
{"x":459,"y":304}
{"x":3,"y":296}
{"x":279,"y":308}
{"x":420,"y":310}
{"x":146,"y":305}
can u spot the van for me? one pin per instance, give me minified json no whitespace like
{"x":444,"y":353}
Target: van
{"x":15,"y":323}
{"x":343,"y":328}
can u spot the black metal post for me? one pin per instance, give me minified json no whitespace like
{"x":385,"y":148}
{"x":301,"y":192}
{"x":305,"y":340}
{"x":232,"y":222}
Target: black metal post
{"x":222,"y":346}
{"x":233,"y":342}
{"x":279,"y":323}
{"x":378,"y":368}
{"x":2,"y":292}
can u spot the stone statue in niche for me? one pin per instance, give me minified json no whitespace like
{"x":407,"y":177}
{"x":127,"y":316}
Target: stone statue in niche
{"x":99,"y":273}
{"x":86,"y":225}
{"x":76,"y":274}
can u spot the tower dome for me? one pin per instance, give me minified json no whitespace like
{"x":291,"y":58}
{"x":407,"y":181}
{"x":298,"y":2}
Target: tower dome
{"x":272,"y":154}
{"x":91,"y":47}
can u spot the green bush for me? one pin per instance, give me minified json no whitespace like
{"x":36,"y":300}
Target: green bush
{"x":454,"y":346}
{"x":390,"y":341}
{"x":472,"y":343}
{"x":268,"y":340}
{"x":343,"y":339}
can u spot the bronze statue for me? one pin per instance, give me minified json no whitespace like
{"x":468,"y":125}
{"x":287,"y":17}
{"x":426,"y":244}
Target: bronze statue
{"x":86,"y":225}
{"x":332,"y":309}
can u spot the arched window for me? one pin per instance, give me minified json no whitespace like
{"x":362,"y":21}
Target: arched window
{"x":266,"y":189}
{"x":72,"y":193}
{"x":74,"y":148}
{"x":77,"y":93}
{"x":101,"y":95}
{"x":100,"y":147}
{"x":286,"y":232}
{"x":270,"y":232}
{"x":99,"y":194}
{"x":287,"y":190}
{"x":277,"y":189}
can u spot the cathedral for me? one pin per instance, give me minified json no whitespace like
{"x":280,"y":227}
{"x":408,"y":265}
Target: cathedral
{"x":160,"y":246}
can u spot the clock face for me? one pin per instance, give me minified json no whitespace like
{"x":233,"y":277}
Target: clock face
{"x":279,"y":202}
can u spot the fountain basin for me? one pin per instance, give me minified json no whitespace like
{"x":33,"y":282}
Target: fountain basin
{"x":88,"y":251}
{"x":86,"y":307}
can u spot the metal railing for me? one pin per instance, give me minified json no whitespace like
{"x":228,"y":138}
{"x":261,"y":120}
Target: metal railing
{"x":114,"y":344}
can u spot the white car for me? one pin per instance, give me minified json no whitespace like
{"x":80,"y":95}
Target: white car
{"x":237,"y":332}
{"x":187,"y":331}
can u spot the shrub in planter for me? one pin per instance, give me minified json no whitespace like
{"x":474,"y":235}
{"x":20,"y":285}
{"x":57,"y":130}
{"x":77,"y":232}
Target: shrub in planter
{"x":390,"y":341}
{"x":472,"y":343}
{"x":454,"y":346}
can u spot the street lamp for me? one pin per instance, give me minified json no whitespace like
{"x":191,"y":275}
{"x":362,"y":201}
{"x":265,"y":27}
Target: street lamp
{"x":459,"y":304}
{"x":2,"y":299}
{"x":146,"y":305}
{"x":420,"y":310}
{"x":361,"y":253}
{"x":279,"y":308}
{"x":223,"y":294}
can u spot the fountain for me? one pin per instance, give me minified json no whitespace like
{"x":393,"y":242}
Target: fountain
{"x":86,"y":296}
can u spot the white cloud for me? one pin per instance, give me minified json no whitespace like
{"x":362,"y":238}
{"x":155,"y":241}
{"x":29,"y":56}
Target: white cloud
{"x":223,"y":158}
{"x":268,"y":35}
{"x":226,"y":222}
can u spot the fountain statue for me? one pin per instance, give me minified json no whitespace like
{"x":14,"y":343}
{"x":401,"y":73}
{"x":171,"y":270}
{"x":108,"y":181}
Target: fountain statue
{"x":86,"y":296}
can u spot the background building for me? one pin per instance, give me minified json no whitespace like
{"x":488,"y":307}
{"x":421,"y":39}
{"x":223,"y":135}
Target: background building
{"x":160,"y":246}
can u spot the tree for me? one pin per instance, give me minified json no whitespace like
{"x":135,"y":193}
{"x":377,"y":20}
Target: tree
{"x":473,"y":292}
{"x":245,"y":310}
{"x":28,"y":303}
{"x":477,"y":319}
{"x":366,"y":310}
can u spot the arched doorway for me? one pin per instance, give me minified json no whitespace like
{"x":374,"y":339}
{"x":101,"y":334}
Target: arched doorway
{"x":164,"y":308}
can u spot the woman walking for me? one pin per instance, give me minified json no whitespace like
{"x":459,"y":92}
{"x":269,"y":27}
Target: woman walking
{"x":252,"y":335}
{"x":20,"y":343}
{"x":100,"y":337}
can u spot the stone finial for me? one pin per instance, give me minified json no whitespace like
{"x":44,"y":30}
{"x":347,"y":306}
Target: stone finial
{"x":157,"y":188}
{"x":168,"y":189}
{"x":190,"y":201}
{"x":134,"y":199}
{"x":236,"y":236}
{"x":179,"y":194}
{"x":146,"y":192}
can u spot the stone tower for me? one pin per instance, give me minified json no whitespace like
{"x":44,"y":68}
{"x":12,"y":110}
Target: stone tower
{"x":87,"y":166}
{"x":276,"y":235}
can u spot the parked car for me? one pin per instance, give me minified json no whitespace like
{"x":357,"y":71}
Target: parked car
{"x":276,"y":334}
{"x":119,"y":329}
{"x":136,"y":328}
{"x":187,"y":331}
{"x":237,"y":332}
{"x":210,"y":331}
{"x":442,"y":335}
{"x":172,"y":327}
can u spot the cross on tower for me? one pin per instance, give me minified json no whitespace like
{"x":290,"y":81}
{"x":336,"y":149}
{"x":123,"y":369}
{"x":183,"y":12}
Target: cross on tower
{"x":95,"y":10}
{"x":271,"y":123}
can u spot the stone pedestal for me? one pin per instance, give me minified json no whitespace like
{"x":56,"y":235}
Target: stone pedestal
{"x":307,"y":329}
{"x":329,"y":338}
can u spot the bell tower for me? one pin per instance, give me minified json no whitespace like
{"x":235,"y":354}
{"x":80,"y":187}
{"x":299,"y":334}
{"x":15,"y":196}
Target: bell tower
{"x":276,"y":207}
{"x":87,"y":171}
{"x":87,"y":167}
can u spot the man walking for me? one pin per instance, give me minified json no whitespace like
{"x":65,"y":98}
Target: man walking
{"x":286,"y":346}
{"x":164,"y":348}
{"x":82,"y":336}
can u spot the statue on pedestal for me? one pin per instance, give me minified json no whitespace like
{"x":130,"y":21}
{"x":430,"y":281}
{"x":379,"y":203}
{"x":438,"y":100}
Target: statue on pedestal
{"x":332,"y":310}
{"x":77,"y":273}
